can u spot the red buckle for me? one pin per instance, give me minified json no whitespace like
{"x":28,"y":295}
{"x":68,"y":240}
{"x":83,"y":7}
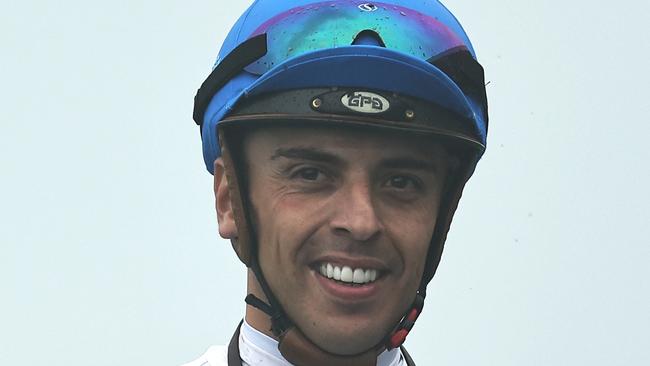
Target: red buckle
{"x":398,"y":338}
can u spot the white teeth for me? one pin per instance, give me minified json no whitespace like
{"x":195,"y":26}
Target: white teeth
{"x":337,"y":273}
{"x":347,"y":274}
{"x":359,"y":276}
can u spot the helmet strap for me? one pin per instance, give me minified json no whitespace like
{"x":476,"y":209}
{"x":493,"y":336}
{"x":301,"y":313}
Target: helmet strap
{"x":458,"y":174}
{"x":246,"y":244}
{"x":280,"y":323}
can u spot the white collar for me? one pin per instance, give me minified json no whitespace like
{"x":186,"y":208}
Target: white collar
{"x":258,"y":349}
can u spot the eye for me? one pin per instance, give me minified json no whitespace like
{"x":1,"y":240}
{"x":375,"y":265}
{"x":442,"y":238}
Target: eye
{"x":310,"y":174}
{"x":402,"y":182}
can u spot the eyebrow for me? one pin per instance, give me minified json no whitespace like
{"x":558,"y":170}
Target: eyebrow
{"x":318,"y":155}
{"x":307,"y":153}
{"x":409,"y":163}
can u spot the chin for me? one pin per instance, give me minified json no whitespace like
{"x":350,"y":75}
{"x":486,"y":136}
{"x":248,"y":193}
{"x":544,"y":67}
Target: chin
{"x":345,"y":340}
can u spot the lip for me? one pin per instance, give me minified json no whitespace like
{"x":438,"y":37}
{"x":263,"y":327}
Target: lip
{"x":347,"y":293}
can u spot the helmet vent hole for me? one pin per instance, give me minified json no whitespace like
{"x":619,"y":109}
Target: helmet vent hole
{"x":368,"y":38}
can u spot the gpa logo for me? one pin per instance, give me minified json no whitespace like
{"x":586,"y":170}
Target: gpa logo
{"x":365,"y":102}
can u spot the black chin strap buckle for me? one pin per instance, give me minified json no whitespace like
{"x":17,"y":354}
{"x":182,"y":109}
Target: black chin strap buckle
{"x":279,"y":323}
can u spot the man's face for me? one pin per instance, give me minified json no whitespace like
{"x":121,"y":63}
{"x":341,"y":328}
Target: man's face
{"x":360,"y":205}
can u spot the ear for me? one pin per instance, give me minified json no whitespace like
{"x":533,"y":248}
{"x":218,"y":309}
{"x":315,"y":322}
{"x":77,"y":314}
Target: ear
{"x":223,"y":204}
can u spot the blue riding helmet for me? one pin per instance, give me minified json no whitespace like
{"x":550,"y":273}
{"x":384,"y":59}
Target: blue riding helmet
{"x":415,"y":48}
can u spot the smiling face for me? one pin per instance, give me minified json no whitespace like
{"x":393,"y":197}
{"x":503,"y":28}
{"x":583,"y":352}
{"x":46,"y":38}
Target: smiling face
{"x":344,"y":219}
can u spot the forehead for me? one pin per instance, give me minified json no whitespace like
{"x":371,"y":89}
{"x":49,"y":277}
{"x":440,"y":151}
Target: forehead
{"x":344,"y":141}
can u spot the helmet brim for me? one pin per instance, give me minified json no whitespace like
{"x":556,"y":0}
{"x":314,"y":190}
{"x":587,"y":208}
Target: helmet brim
{"x":369,"y":67}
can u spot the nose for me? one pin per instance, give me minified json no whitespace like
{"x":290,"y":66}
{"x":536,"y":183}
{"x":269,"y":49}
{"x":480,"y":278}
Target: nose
{"x":355,"y":214}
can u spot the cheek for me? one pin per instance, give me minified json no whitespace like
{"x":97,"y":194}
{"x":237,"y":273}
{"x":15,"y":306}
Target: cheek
{"x":416,"y":253}
{"x":284,"y":223}
{"x":297,"y":212}
{"x":413,"y":229}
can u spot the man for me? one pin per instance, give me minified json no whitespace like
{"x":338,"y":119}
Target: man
{"x":340,"y":135}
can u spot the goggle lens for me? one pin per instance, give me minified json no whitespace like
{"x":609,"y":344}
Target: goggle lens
{"x":338,"y":23}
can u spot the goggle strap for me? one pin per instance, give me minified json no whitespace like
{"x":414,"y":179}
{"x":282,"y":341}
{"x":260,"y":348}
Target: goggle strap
{"x":243,"y":55}
{"x":465,"y":71}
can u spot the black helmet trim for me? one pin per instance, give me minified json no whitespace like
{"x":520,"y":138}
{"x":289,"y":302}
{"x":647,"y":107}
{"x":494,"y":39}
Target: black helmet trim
{"x":329,"y":105}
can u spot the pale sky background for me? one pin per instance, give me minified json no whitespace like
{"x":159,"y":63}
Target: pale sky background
{"x":109,"y":253}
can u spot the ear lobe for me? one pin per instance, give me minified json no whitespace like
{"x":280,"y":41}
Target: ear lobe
{"x":223,"y":204}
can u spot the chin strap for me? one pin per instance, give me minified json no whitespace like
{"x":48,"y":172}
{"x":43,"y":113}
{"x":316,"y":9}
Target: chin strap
{"x":280,"y":323}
